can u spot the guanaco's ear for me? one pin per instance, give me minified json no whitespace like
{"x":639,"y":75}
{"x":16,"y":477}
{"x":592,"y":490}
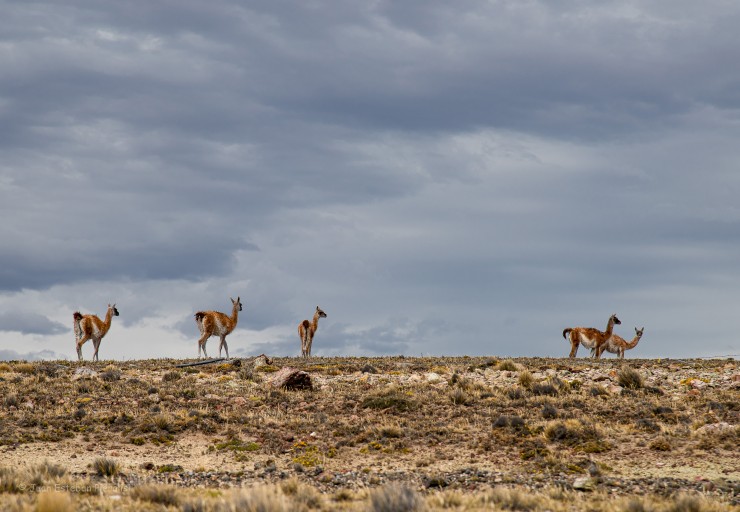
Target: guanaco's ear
{"x":232,"y":300}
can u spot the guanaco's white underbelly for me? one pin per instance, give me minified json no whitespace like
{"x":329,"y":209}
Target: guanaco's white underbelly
{"x":588,"y":342}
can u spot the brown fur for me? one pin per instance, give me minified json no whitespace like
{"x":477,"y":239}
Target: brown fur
{"x":588,"y":336}
{"x":88,"y":327}
{"x":307,"y":330}
{"x":214,"y":323}
{"x":617,"y":345}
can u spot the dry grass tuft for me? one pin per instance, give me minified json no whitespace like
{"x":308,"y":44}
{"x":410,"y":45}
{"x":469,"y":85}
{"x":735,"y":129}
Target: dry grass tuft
{"x":106,"y":467}
{"x":160,"y":494}
{"x":396,"y":498}
{"x":54,"y":501}
{"x":507,"y":365}
{"x":630,"y":378}
{"x":525,"y":379}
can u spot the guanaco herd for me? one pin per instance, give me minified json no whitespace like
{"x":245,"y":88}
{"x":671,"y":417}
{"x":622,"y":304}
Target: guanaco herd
{"x":215,"y":323}
{"x":600,"y":341}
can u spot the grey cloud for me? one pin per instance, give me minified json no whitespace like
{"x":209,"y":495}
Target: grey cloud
{"x":29,"y":323}
{"x":41,"y":355}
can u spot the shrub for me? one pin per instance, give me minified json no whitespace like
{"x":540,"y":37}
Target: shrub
{"x":106,"y":467}
{"x":507,"y":365}
{"x":171,"y":376}
{"x":391,"y":399}
{"x":661,"y":445}
{"x":458,"y":396}
{"x":544,"y":389}
{"x":396,"y":498}
{"x":525,"y":379}
{"x":629,"y":378}
{"x":11,"y":400}
{"x":54,"y":501}
{"x":549,"y":412}
{"x":258,"y":499}
{"x":161,"y":494}
{"x":572,"y":432}
{"x":111,"y":375}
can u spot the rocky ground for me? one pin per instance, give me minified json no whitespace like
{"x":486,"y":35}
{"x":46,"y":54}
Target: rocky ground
{"x":381,"y":434}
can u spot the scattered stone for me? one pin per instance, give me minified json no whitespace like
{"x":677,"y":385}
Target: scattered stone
{"x":368,"y":368}
{"x":84,"y":372}
{"x":715,"y":428}
{"x":584,"y":483}
{"x":238,"y":401}
{"x":435,"y":482}
{"x":261,"y":360}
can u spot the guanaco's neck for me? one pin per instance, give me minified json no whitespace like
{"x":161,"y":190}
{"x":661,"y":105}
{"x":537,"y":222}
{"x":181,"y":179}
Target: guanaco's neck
{"x":235,"y":314}
{"x":633,"y":343}
{"x":315,"y":323}
{"x":610,"y":326}
{"x":108,"y":318}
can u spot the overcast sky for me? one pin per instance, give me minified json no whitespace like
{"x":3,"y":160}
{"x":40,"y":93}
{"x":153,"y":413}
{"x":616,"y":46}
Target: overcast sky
{"x":442,"y":178}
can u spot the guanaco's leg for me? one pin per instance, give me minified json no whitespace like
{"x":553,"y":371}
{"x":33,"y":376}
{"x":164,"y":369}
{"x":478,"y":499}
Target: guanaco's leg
{"x":81,"y":342}
{"x":223,"y":345}
{"x":96,"y":344}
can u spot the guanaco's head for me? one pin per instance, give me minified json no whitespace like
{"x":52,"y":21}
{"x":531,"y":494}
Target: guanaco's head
{"x":113,"y":307}
{"x":614,"y":319}
{"x":320,"y":312}
{"x":237,"y":302}
{"x":638,"y":332}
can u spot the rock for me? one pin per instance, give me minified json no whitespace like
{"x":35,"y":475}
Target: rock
{"x":715,"y":428}
{"x":432,"y":482}
{"x":239,"y":401}
{"x":261,"y":360}
{"x":84,"y":373}
{"x":584,"y":483}
{"x":291,"y":379}
{"x":432,"y":377}
{"x":368,"y":368}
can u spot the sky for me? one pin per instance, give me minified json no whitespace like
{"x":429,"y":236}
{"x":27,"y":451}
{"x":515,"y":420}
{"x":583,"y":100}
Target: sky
{"x":441,"y":178}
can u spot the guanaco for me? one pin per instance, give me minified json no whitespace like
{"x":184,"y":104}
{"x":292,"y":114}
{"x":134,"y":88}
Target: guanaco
{"x":307,"y":330}
{"x":214,"y":323}
{"x":588,"y":336}
{"x":617,"y":345}
{"x":91,"y":327}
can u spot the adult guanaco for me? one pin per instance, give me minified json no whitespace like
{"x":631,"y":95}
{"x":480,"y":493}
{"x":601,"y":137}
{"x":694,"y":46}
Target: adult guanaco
{"x":307,"y":330}
{"x":88,"y":327}
{"x":588,"y":336}
{"x":214,"y":323}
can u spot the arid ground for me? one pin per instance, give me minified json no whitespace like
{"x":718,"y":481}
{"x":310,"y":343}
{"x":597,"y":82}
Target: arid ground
{"x":382,"y":434}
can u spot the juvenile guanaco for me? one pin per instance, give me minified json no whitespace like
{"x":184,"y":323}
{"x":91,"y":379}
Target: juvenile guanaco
{"x":617,"y":345}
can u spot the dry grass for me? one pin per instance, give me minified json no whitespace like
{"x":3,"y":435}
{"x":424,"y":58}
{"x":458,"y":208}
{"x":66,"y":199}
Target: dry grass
{"x":421,"y":433}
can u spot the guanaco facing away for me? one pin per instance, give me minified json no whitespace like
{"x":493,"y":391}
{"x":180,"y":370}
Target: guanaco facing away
{"x":91,"y":327}
{"x":306,"y":331}
{"x":617,"y":345}
{"x":588,"y":336}
{"x":214,"y":323}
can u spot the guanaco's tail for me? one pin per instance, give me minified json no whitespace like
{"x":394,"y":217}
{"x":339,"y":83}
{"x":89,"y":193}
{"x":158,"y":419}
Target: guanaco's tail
{"x":77,"y":317}
{"x":566,"y":331}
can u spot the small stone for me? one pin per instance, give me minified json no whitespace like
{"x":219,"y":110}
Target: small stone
{"x":432,"y":377}
{"x":584,"y":483}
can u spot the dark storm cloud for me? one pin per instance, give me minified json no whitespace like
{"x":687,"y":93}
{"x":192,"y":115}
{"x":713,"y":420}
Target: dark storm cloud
{"x":393,"y":161}
{"x":29,"y":323}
